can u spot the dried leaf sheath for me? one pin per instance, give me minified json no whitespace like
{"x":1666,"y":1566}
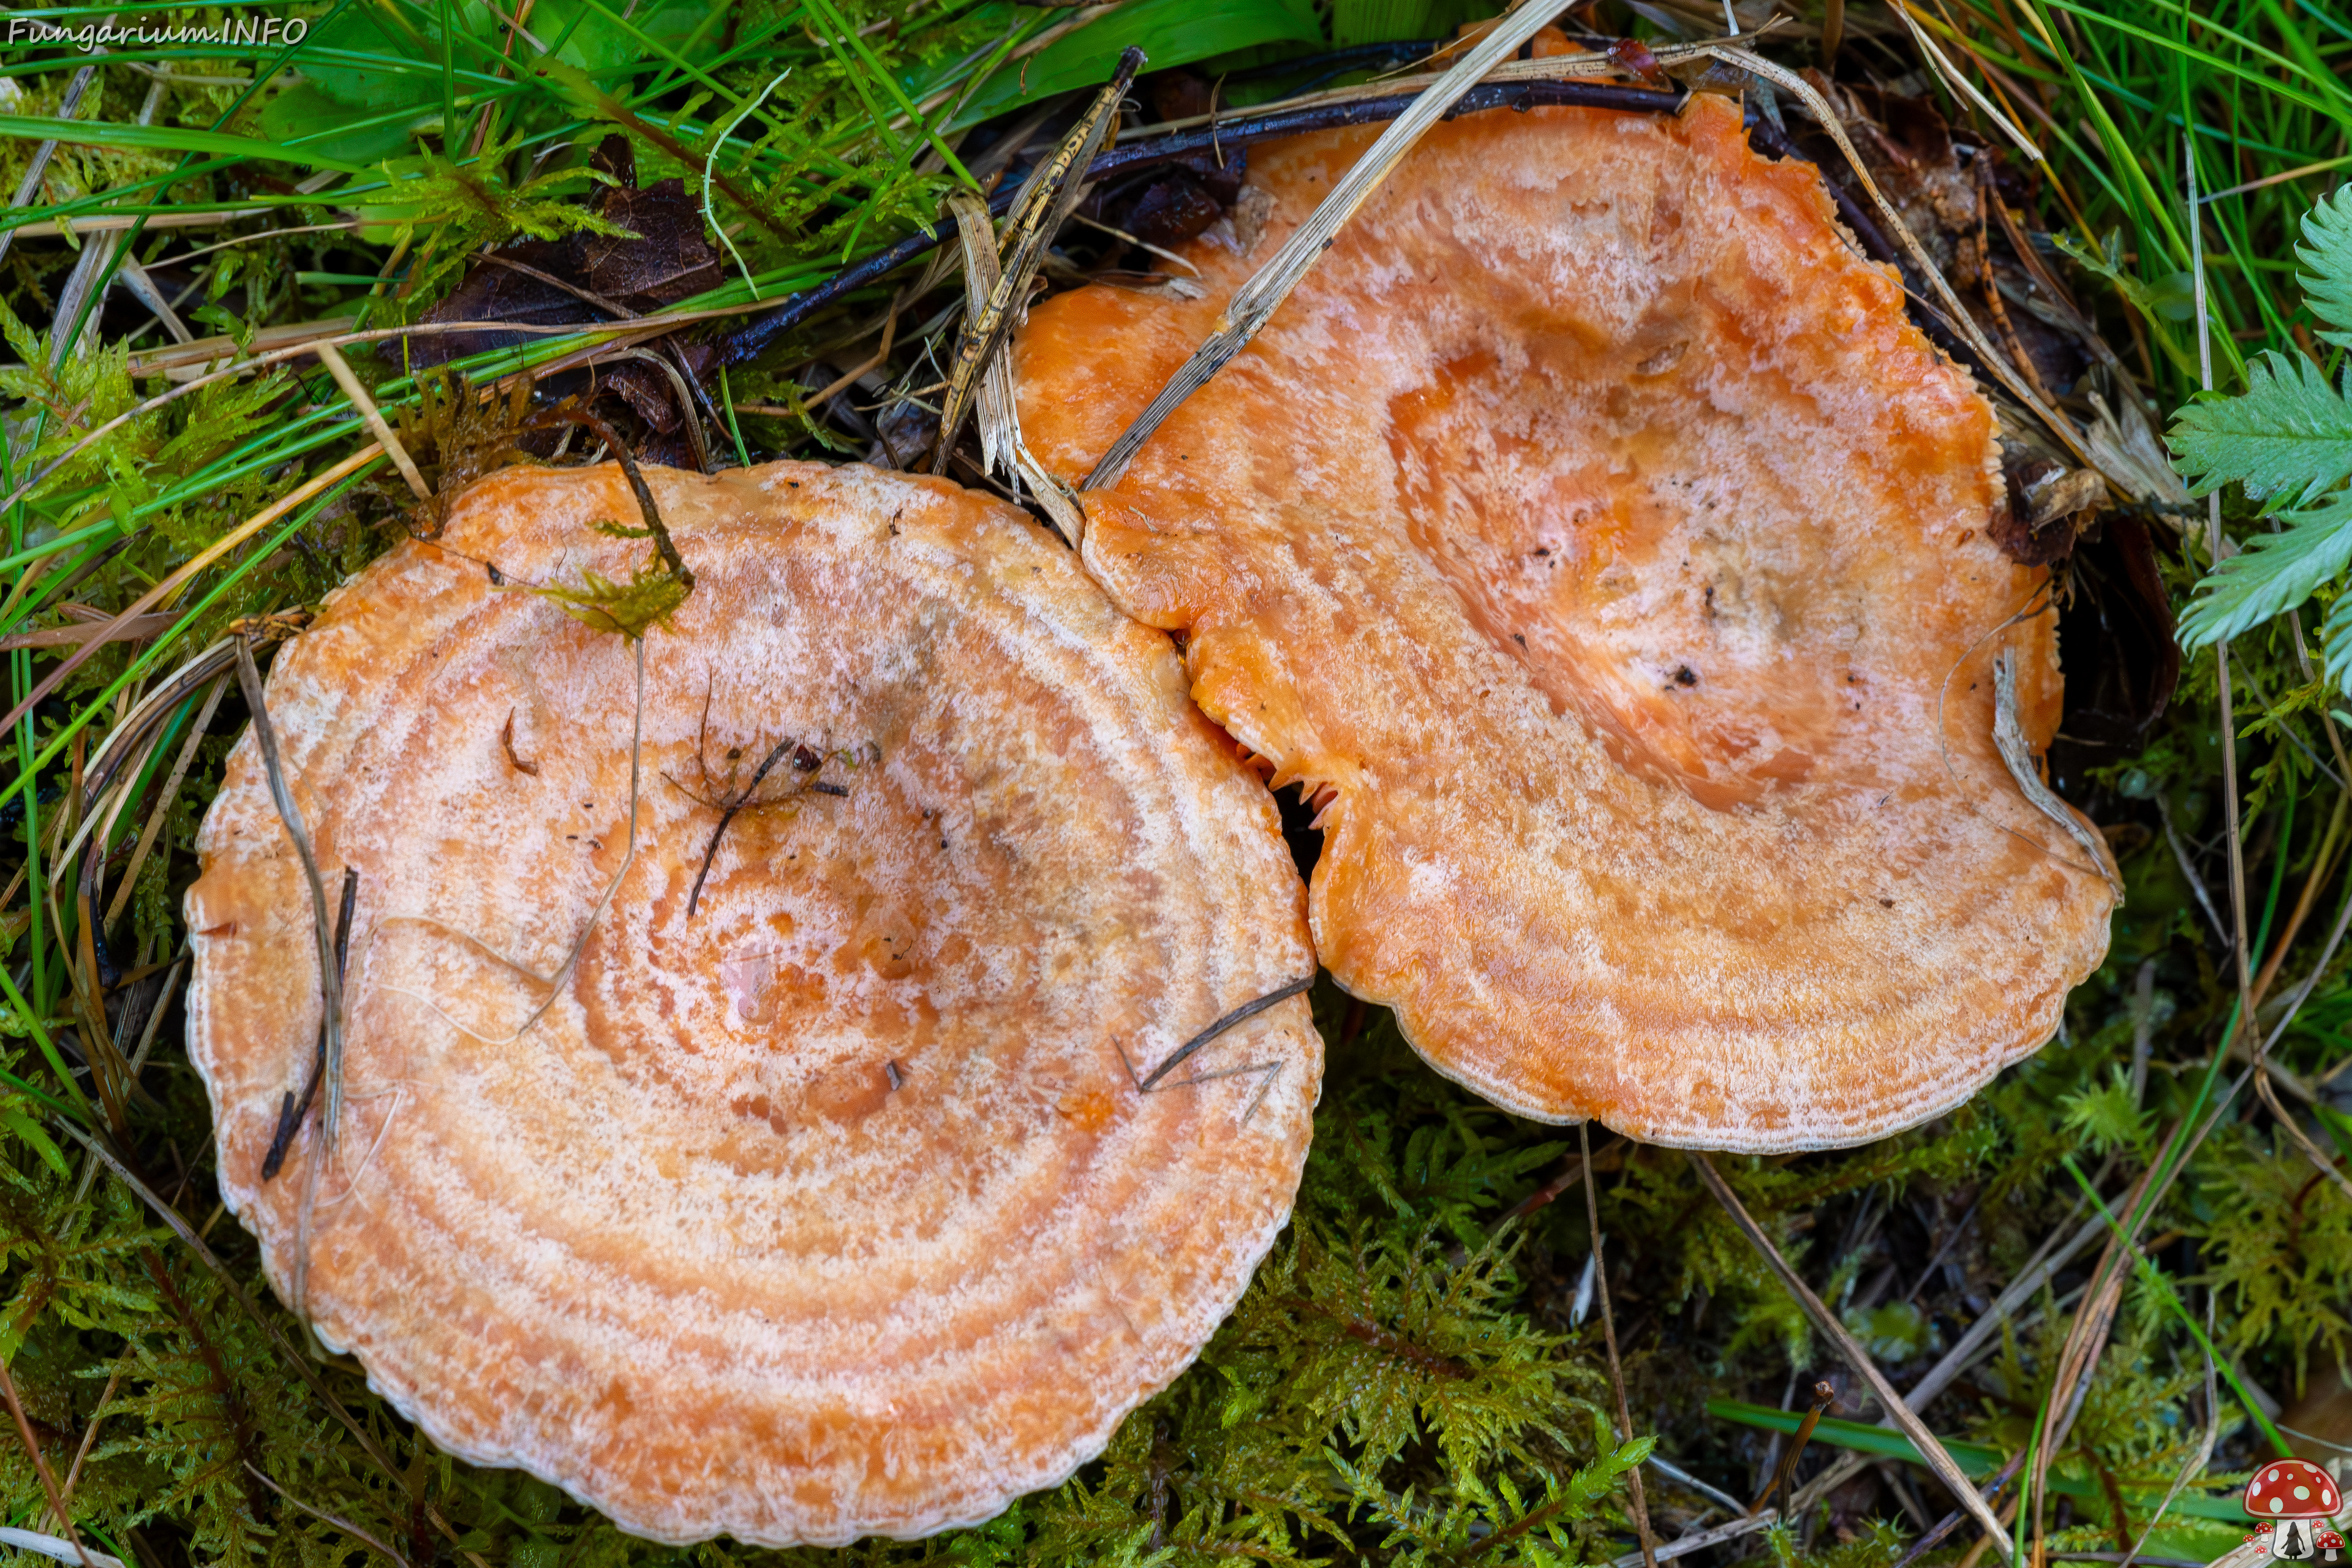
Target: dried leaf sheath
{"x":1043,"y":204}
{"x":831,"y":1210}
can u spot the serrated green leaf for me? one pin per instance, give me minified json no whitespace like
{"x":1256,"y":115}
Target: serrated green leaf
{"x":2273,"y":573}
{"x":2335,"y":643}
{"x":2288,"y":435}
{"x":2328,"y":252}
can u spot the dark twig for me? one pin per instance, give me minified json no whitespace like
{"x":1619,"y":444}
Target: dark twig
{"x":2086,"y":1342}
{"x":40,"y":1461}
{"x":1942,"y":1248}
{"x":731,"y":802}
{"x":1853,"y":213}
{"x":587,"y":296}
{"x":1951,"y":1522}
{"x":1608,"y":1337}
{"x":330,"y":985}
{"x":289,"y":1113}
{"x":664,"y":546}
{"x":1239,"y":1015}
{"x":1573,"y":1167}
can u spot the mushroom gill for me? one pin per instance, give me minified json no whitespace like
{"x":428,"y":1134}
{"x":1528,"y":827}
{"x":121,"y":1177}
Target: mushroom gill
{"x":1592,"y":531}
{"x":831,"y":1207}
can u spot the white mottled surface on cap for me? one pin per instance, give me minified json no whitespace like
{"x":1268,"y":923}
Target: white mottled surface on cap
{"x":682,"y":1248}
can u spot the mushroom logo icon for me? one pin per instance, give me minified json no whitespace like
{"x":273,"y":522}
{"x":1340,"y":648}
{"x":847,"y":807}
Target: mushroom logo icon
{"x":2296,"y":1498}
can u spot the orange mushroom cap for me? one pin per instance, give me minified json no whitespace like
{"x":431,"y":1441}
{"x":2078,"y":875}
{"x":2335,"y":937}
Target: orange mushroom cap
{"x":832,"y":1209}
{"x":1594,"y":534}
{"x":2293,"y":1489}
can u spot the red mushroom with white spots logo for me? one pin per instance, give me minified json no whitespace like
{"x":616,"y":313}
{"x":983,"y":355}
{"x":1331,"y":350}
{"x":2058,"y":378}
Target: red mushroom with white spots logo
{"x":2293,"y":1497}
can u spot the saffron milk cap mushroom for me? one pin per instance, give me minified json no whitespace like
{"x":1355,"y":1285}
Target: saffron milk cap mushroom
{"x":1594,"y":538}
{"x":819,"y":1198}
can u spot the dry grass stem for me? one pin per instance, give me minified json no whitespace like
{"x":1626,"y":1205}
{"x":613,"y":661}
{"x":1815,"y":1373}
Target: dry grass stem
{"x":1640,"y":1504}
{"x":2323,"y":866}
{"x":1954,"y":77}
{"x":56,"y":1546}
{"x":195,"y":565}
{"x":1044,"y":204}
{"x":139,"y":630}
{"x":1747,"y":1525}
{"x":1961,"y":321}
{"x":308,"y":345}
{"x":2078,"y":1358}
{"x":162,"y":810}
{"x":1124,"y":237}
{"x":2194,"y":1466}
{"x":2326,"y":1164}
{"x":2008,"y":740}
{"x":1987,"y":1328}
{"x":695,"y":438}
{"x":1254,"y":303}
{"x":1003,"y":449}
{"x":41,"y":1465}
{"x":104,"y":222}
{"x":1931,"y":1449}
{"x":1951,"y":1522}
{"x":345,"y":1525}
{"x":1548,"y":68}
{"x":332,"y":358}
